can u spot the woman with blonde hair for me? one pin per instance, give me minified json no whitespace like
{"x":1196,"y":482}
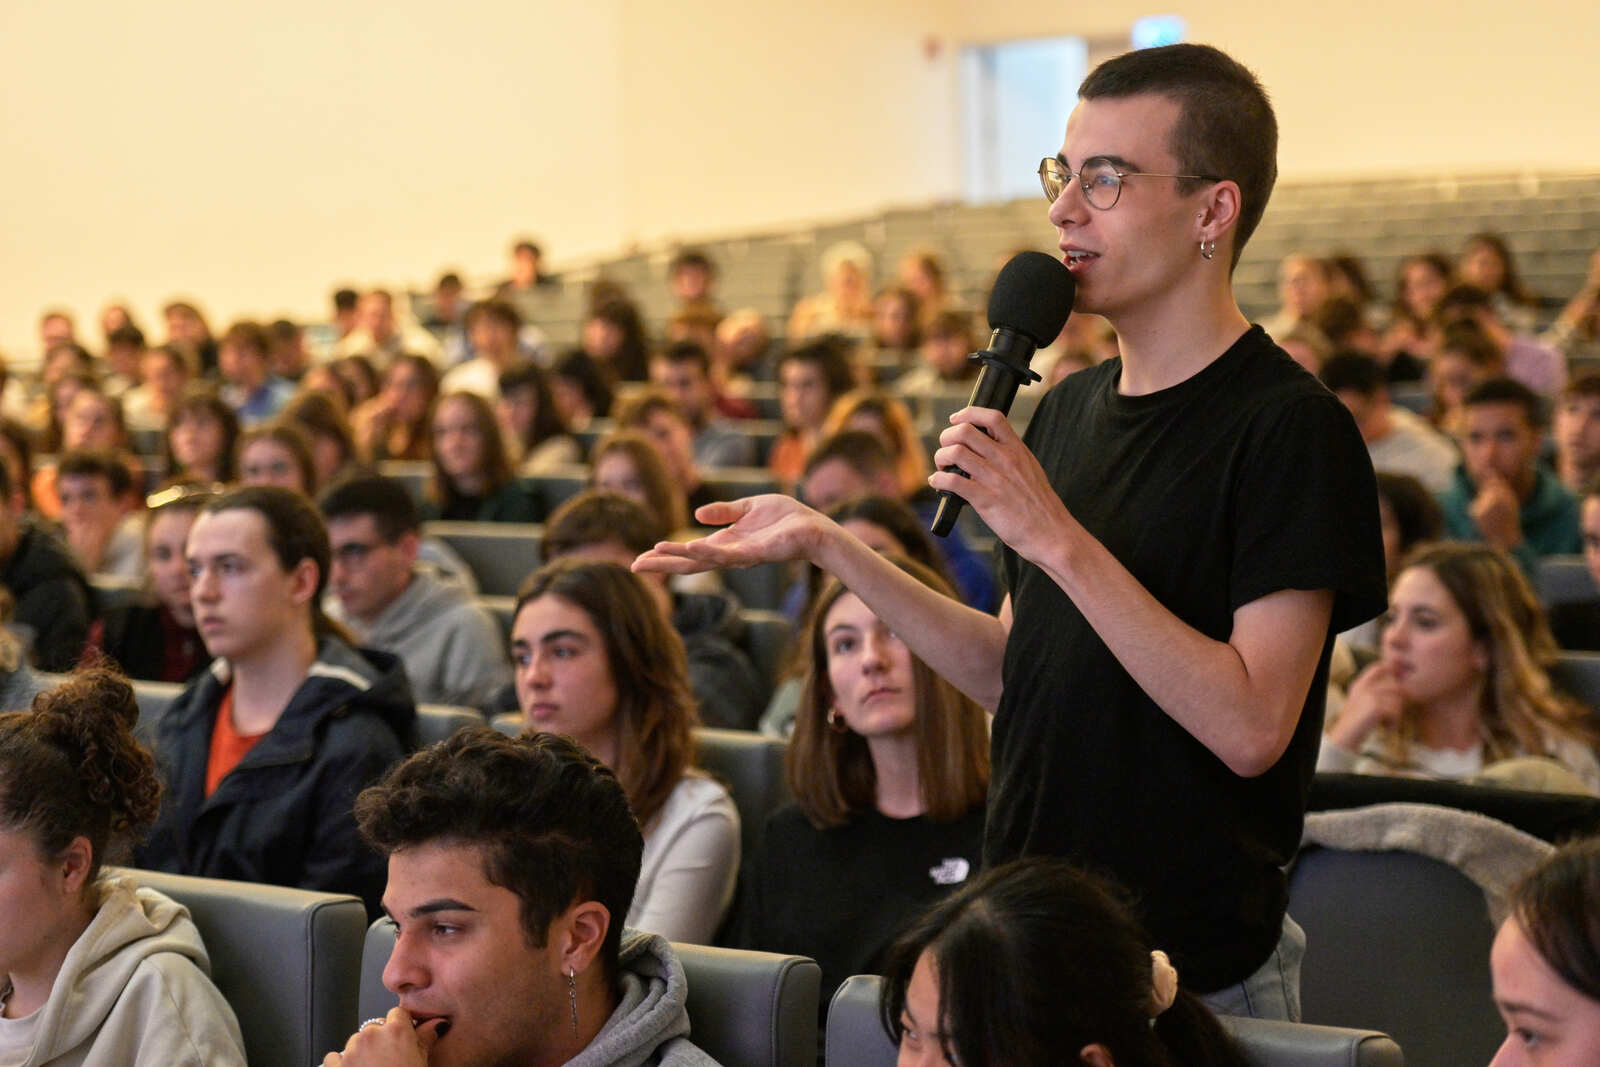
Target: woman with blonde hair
{"x":845,"y":303}
{"x":1460,"y":688}
{"x":889,"y":768}
{"x":890,"y":420}
{"x":595,"y":658}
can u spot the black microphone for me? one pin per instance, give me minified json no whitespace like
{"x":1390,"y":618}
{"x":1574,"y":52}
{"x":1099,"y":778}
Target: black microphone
{"x":1028,"y":306}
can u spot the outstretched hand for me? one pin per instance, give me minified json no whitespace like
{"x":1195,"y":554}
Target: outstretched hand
{"x":756,"y":529}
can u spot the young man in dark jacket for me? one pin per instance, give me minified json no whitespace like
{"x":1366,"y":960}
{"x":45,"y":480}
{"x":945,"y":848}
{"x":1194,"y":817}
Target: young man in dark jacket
{"x":266,"y":750}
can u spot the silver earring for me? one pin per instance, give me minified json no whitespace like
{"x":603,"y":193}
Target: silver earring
{"x":1208,"y":249}
{"x":572,"y":996}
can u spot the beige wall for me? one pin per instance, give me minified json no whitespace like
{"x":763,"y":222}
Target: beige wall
{"x":255,"y":157}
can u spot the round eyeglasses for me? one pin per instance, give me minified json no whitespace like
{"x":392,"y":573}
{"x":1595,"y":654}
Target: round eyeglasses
{"x":1100,"y":179}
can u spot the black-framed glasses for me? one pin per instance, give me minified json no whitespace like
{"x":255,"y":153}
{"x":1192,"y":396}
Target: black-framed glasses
{"x":1100,"y":179}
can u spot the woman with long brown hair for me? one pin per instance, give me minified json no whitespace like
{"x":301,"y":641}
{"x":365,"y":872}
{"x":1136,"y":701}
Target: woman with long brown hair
{"x":472,"y":476}
{"x":596,"y":659}
{"x":889,"y":766}
{"x":1460,"y":685}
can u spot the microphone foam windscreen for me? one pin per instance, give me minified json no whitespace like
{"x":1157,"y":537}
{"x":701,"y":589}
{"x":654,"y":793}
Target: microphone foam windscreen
{"x":1033,"y":295}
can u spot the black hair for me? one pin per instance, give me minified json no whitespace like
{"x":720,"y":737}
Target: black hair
{"x":1508,"y":391}
{"x":345,"y":299}
{"x":552,"y":822}
{"x":1225,"y":124}
{"x":830,"y":354}
{"x":1037,"y":960}
{"x":581,"y":369}
{"x":494,"y":309}
{"x":862,"y":451}
{"x":1355,"y":371}
{"x":1415,"y":510}
{"x":387,"y":500}
{"x":691,"y":258}
{"x":128,"y":336}
{"x":96,"y":464}
{"x":70,"y":767}
{"x":686,"y":352}
{"x":526,"y":374}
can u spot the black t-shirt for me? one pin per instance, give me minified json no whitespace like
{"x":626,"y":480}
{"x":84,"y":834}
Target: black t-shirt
{"x":1246,"y":479}
{"x":842,"y":895}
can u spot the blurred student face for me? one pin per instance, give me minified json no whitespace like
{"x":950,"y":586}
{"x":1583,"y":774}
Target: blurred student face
{"x":89,"y":422}
{"x":268,"y":462}
{"x":458,"y":443}
{"x":802,"y":394}
{"x":165,"y":538}
{"x":1498,"y":442}
{"x":197,"y":440}
{"x":1577,"y":431}
{"x":1428,"y":642}
{"x":1590,"y":520}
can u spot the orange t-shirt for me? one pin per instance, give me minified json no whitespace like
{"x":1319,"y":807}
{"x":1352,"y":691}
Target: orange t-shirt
{"x":228,"y":746}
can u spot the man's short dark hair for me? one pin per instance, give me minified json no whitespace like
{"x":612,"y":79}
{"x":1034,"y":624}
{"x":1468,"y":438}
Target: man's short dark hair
{"x":863,"y":452}
{"x":552,"y":822}
{"x":1225,"y":122}
{"x":248,"y":335}
{"x":1339,"y":319}
{"x":1467,"y":338}
{"x":393,"y":511}
{"x":596,"y":517}
{"x":635,"y":412}
{"x":679,"y":352}
{"x":1583,"y":385}
{"x":1508,"y":391}
{"x":345,"y":299}
{"x":90,"y":463}
{"x":529,"y":247}
{"x":691,"y":259}
{"x":830,"y":354}
{"x":1462,"y":300}
{"x":126,"y":336}
{"x":448,"y":280}
{"x":283,"y":331}
{"x":1355,"y":371}
{"x":494,"y":309}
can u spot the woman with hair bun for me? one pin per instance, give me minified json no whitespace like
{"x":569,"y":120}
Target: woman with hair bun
{"x":95,"y":969}
{"x":1546,"y":963}
{"x":1038,"y":964}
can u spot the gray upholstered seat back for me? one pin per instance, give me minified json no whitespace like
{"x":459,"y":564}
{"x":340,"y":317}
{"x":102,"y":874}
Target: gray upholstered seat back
{"x":287,"y":960}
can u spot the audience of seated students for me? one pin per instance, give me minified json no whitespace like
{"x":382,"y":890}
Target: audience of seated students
{"x":154,"y":638}
{"x":682,"y":371}
{"x":580,"y":388}
{"x":512,"y":862}
{"x":1420,"y":283}
{"x":1576,"y":432}
{"x":1486,"y":263}
{"x":922,"y":273}
{"x":472,"y":476}
{"x":265,"y":751}
{"x":1579,"y":321}
{"x":201,"y":438}
{"x":451,"y":647}
{"x":1539,"y":367}
{"x":188,"y":331}
{"x":378,"y":334}
{"x":53,"y":602}
{"x":333,"y":447}
{"x":595,"y":659}
{"x":492,"y":327}
{"x":1503,"y":495}
{"x":531,"y":422}
{"x":944,"y":368}
{"x":627,"y":463}
{"x":1302,"y":287}
{"x":888,"y":418}
{"x":1460,"y":685}
{"x":855,"y":463}
{"x":597,"y":525}
{"x":692,"y":279}
{"x":101,"y":514}
{"x":163,"y":376}
{"x":1038,"y":964}
{"x":613,"y":335}
{"x":394,"y":424}
{"x":1576,"y":624}
{"x":287,"y":358}
{"x":95,"y":968}
{"x":811,"y":378}
{"x":888,"y":767}
{"x":124,"y":346}
{"x":1396,"y":439}
{"x":1546,"y":963}
{"x":891,"y":348}
{"x":277,"y":453}
{"x":845,"y":304}
{"x":887,"y":526}
{"x":248,"y":385}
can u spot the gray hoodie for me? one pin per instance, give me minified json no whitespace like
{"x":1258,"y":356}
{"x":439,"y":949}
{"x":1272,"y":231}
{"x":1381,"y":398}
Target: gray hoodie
{"x":651,"y":1024}
{"x":452,"y":648}
{"x":133,"y":990}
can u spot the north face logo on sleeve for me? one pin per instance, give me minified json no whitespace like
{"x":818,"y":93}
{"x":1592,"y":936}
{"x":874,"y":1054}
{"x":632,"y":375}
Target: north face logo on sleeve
{"x":950,"y":872}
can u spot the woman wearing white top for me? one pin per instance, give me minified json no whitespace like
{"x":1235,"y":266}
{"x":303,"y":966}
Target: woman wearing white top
{"x":1461,"y":684}
{"x":596,"y":659}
